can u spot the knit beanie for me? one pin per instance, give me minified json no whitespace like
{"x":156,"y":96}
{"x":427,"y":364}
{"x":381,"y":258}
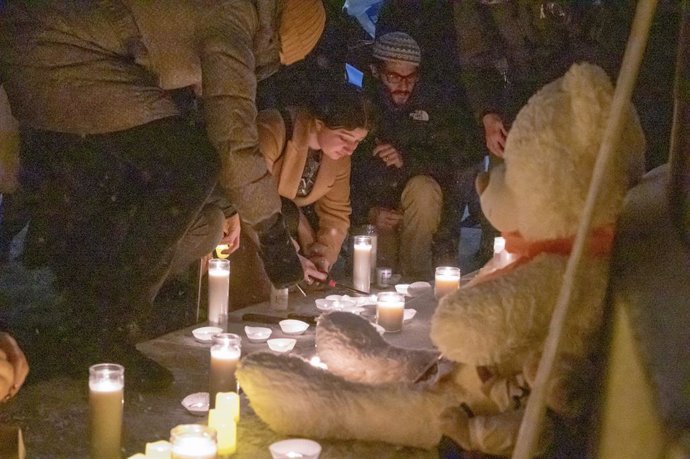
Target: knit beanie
{"x":301,"y":25}
{"x":397,"y":47}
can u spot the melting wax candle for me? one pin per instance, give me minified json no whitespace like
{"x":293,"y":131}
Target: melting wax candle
{"x":226,"y":351}
{"x":218,"y":291}
{"x":361,"y":263}
{"x":447,"y":280}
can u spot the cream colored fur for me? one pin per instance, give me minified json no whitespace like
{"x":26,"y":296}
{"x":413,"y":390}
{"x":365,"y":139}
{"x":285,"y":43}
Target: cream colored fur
{"x":495,"y":328}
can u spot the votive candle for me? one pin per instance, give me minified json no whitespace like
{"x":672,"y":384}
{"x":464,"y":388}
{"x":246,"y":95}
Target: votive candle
{"x":390,"y":309}
{"x":361,"y":264}
{"x":193,"y":441}
{"x":226,"y":351}
{"x":447,"y":280}
{"x":158,"y":450}
{"x":499,"y":245}
{"x":106,"y":400}
{"x":218,"y":290}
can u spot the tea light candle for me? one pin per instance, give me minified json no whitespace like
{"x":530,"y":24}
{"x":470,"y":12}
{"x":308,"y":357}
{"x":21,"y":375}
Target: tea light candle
{"x":158,"y":450}
{"x":106,"y":400}
{"x":390,"y":308}
{"x":447,"y":281}
{"x":193,"y":441}
{"x":218,"y":290}
{"x":361,"y":267}
{"x":315,"y":361}
{"x":226,"y":351}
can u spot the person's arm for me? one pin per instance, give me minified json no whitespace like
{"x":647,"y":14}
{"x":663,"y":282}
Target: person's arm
{"x":13,"y":365}
{"x":229,"y":92}
{"x":333,"y":210}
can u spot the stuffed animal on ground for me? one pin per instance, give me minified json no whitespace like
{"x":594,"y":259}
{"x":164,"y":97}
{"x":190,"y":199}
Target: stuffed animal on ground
{"x":491,"y":331}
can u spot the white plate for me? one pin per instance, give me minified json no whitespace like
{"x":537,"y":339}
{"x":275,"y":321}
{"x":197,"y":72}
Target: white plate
{"x":418,"y":288}
{"x":205,"y":334}
{"x":197,"y":403}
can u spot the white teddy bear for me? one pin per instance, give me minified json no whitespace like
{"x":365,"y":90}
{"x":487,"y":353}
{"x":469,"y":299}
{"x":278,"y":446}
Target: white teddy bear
{"x":491,"y":331}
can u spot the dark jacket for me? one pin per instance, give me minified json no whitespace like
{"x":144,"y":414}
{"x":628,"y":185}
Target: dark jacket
{"x":509,"y":49}
{"x":100,"y":67}
{"x":436,"y":136}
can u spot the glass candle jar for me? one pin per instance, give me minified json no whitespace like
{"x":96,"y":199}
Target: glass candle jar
{"x":226,"y":351}
{"x":218,"y":291}
{"x":390,"y":309}
{"x":106,"y":400}
{"x":447,"y":280}
{"x":193,"y":441}
{"x":361,"y":263}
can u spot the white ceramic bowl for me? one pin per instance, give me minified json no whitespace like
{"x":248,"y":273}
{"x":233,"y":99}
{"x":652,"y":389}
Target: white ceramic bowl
{"x":402,"y":288}
{"x":418,"y":288}
{"x":295,"y":447}
{"x":257,"y":334}
{"x":281,"y":344}
{"x":293,"y":327}
{"x":205,"y":334}
{"x":335,"y":304}
{"x":196,"y":403}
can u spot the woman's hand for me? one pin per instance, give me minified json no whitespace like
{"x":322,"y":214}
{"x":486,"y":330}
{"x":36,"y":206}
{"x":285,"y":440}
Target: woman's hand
{"x":311,"y":272}
{"x":17,"y":359}
{"x":231,"y":236}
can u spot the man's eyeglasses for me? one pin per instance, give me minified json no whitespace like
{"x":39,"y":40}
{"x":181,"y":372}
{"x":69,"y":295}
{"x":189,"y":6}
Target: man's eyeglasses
{"x":396,"y":78}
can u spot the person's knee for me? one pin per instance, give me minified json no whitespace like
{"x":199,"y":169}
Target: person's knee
{"x":424,"y":194}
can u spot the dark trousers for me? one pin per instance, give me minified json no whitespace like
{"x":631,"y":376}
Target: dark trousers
{"x":108,"y":211}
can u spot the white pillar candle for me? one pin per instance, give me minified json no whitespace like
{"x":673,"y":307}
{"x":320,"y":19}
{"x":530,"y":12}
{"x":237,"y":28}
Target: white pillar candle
{"x":226,"y":351}
{"x":447,"y":281}
{"x":106,"y":400}
{"x":361,"y":269}
{"x":193,"y":441}
{"x":226,"y":432}
{"x":158,"y":450}
{"x":390,"y":309}
{"x":218,"y":291}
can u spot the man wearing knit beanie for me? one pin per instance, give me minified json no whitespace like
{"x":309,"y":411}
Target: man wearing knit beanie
{"x":405,"y":182}
{"x":118,"y":175}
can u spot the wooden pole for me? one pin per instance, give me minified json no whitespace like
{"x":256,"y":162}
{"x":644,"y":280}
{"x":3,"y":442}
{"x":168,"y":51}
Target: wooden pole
{"x":531,"y":425}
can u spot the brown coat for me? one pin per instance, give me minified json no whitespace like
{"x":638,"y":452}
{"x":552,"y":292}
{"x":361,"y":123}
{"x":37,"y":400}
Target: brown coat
{"x":331,"y":192}
{"x":100,"y":67}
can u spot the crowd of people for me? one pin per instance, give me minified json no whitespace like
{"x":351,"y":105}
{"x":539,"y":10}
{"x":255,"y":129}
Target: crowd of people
{"x":148,"y":137}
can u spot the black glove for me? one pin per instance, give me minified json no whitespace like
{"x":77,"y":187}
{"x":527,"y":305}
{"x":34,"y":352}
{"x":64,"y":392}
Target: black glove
{"x":278,"y":253}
